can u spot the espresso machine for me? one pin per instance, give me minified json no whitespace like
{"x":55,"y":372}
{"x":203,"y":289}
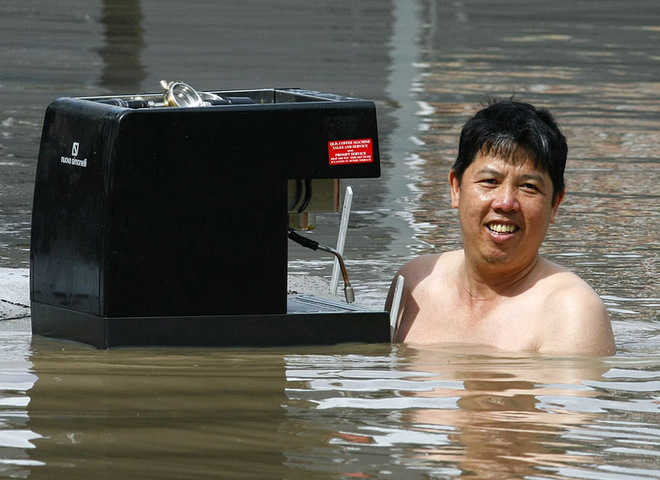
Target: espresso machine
{"x":164,"y":219}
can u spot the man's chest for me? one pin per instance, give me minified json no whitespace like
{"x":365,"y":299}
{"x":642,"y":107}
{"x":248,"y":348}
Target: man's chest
{"x":509,"y":325}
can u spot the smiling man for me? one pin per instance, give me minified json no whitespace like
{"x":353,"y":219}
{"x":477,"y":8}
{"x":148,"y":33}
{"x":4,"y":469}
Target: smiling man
{"x":507,"y":184}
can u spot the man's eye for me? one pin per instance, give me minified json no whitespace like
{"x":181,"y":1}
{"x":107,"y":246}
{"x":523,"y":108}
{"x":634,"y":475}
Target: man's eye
{"x":530,"y":186}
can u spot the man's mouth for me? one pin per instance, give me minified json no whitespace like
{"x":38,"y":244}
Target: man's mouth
{"x":501,"y":228}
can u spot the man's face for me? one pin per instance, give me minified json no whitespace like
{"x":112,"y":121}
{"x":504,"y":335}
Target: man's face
{"x":505,"y":208}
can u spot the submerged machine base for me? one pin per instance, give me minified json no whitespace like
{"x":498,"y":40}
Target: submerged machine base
{"x":309,"y":321}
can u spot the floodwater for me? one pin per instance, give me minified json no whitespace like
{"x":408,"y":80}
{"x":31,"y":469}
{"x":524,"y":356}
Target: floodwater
{"x":365,"y":411}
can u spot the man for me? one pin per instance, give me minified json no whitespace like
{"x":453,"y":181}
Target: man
{"x":507,"y":184}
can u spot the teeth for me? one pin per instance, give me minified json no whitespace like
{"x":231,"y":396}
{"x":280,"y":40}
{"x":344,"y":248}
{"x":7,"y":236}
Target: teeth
{"x":499,"y":228}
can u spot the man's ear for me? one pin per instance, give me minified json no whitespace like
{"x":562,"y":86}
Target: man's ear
{"x":555,"y":205}
{"x":455,"y":185}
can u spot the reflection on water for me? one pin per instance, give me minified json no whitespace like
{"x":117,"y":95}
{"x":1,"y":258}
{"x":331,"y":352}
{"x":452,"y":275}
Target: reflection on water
{"x":153,"y":414}
{"x":459,"y":414}
{"x":369,"y":411}
{"x":376,"y":411}
{"x":123,"y":71}
{"x":16,"y":379}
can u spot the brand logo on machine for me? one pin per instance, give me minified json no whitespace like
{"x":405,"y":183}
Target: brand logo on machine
{"x":73,"y":159}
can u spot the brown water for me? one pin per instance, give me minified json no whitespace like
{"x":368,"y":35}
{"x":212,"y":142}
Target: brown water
{"x":366,"y":411}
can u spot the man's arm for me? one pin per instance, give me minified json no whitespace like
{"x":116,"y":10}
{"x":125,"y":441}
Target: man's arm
{"x":583,"y":324}
{"x":413,"y":272}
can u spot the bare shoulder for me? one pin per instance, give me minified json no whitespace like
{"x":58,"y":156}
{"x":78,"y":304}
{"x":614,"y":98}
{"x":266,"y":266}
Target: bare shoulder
{"x":412,"y":272}
{"x":581,"y":324}
{"x":423,"y":277}
{"x":423,"y":266}
{"x":421,"y":269}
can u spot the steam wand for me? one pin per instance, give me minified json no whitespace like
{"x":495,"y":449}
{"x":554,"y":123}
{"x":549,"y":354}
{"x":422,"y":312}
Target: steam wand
{"x":314,"y":245}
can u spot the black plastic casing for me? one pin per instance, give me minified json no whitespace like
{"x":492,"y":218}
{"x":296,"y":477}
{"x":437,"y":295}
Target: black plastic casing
{"x":166,"y":226}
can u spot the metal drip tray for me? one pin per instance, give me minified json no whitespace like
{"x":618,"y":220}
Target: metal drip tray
{"x":311,"y":304}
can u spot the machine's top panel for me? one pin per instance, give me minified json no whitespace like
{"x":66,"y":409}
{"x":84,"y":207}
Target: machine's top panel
{"x":179,"y":94}
{"x":313,"y":134}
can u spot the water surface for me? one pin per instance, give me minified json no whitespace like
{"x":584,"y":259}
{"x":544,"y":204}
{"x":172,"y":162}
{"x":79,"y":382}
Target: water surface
{"x":365,"y":411}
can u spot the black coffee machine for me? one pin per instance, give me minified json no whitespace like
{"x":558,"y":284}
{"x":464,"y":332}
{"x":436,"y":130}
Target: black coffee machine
{"x":163,"y":219}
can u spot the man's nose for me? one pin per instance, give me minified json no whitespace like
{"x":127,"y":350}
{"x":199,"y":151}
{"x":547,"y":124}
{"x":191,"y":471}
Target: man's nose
{"x":505,"y":199}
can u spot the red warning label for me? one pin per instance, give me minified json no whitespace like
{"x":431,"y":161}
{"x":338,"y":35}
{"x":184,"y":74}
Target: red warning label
{"x":342,"y":152}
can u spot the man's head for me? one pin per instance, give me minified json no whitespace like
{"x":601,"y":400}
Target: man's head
{"x":510,"y":129}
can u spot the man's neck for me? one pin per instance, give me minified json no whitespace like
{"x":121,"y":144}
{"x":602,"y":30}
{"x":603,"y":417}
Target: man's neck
{"x":490,"y":282}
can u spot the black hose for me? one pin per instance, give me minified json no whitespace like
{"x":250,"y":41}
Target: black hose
{"x":297,"y":196}
{"x":304,"y":241}
{"x":308,"y":195}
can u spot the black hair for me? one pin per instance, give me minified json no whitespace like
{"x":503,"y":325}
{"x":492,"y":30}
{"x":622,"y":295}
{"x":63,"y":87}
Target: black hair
{"x":508,"y":128}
